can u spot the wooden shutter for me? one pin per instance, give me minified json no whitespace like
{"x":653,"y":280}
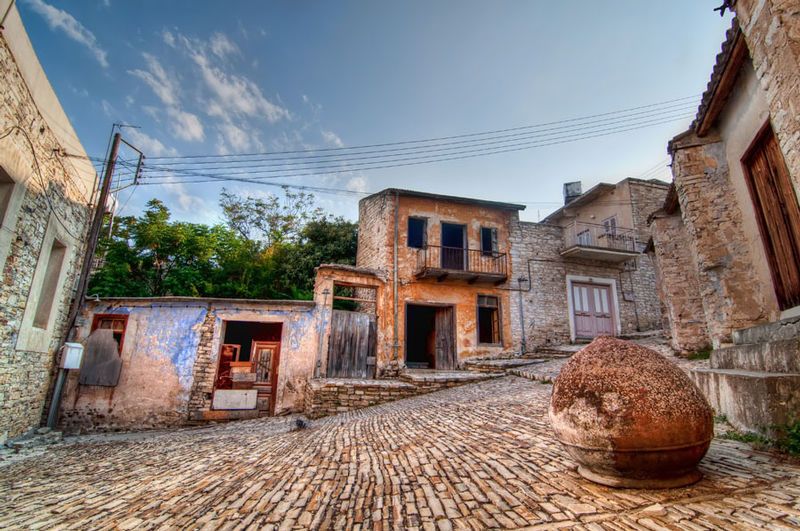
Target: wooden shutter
{"x":778,"y":214}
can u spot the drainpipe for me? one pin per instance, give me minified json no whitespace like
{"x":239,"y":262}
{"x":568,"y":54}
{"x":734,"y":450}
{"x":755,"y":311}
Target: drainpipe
{"x":395,"y":343}
{"x":523,"y":342}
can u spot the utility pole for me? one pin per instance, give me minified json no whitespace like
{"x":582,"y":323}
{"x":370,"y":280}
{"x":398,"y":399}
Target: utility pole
{"x":86,"y":270}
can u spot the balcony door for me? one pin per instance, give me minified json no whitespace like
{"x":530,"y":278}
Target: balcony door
{"x":454,"y":246}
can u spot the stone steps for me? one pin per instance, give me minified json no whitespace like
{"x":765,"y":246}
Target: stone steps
{"x":752,"y":401}
{"x":499,"y":365}
{"x":773,"y":356}
{"x":755,"y":382}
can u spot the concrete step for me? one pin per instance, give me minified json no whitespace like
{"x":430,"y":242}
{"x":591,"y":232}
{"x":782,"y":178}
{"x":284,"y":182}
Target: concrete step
{"x":499,"y":365}
{"x":753,"y":401}
{"x":777,"y":331}
{"x":773,"y":356}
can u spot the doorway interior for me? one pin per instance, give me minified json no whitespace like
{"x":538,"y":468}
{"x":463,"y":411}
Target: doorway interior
{"x":430,"y":337}
{"x":249,"y":358}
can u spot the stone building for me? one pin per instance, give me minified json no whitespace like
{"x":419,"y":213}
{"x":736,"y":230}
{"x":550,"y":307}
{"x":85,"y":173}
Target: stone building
{"x":734,"y":282}
{"x":582,"y":271}
{"x":445,"y":266}
{"x":45,"y":199}
{"x":168,"y":361}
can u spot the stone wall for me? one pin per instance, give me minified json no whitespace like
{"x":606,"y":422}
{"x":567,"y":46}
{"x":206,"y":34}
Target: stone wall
{"x":732,"y":297}
{"x":679,"y":285}
{"x":333,"y":396}
{"x":772,"y":31}
{"x":52,"y":194}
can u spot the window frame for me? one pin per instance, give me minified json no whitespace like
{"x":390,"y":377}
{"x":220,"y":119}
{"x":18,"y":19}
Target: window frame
{"x":498,"y":320}
{"x":116,"y":317}
{"x":424,"y":242}
{"x":610,"y":226}
{"x":493,"y":242}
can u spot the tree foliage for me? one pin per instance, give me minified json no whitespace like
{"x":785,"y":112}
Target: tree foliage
{"x":267,"y":248}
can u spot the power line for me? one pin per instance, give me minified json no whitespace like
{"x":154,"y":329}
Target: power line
{"x":413,"y":161}
{"x":435,"y":139}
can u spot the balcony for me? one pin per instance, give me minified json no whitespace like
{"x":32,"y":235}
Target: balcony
{"x":595,"y":242}
{"x":456,"y":263}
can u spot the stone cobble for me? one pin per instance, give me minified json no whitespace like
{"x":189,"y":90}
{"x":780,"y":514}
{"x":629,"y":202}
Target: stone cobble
{"x":473,"y":457}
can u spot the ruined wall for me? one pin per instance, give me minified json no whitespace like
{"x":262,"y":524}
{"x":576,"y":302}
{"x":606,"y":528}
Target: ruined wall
{"x":170,"y":357}
{"x":375,"y":232}
{"x":51,"y":193}
{"x":732,"y":297}
{"x":679,"y":285}
{"x":772,"y":31}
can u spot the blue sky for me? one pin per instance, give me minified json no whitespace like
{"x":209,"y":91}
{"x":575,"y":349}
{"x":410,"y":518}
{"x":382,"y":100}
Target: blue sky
{"x":211,"y":78}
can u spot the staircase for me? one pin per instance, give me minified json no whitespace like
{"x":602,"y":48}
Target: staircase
{"x":756,"y":382}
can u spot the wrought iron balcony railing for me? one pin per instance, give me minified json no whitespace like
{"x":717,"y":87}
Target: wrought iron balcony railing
{"x":458,"y":262}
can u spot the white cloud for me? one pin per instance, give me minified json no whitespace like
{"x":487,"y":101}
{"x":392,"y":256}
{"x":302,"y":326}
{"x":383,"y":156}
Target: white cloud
{"x":222,"y":46}
{"x":162,"y":84}
{"x":331,"y":138}
{"x":168,"y":38}
{"x":357,"y":184}
{"x":186,"y":125}
{"x":59,"y":19}
{"x":186,"y":201}
{"x":152,"y":147}
{"x":234,"y":139}
{"x":108,"y":109}
{"x":236,"y":94}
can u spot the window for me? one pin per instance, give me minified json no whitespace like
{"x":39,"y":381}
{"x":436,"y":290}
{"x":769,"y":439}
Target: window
{"x":488,"y":320}
{"x":417,"y":232}
{"x":6,"y":189}
{"x":115,"y":323}
{"x":610,"y":226}
{"x":488,"y":241}
{"x":584,"y":238}
{"x":47,"y":293}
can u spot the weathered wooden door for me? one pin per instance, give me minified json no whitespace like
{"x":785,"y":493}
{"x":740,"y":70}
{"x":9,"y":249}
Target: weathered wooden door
{"x":352,"y":344}
{"x":778,"y":214}
{"x":265,"y":359}
{"x":592,"y":310}
{"x":445,"y":339}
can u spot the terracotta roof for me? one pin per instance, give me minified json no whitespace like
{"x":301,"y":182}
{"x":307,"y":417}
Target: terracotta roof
{"x":729,"y":60}
{"x":449,"y":198}
{"x":200,"y":300}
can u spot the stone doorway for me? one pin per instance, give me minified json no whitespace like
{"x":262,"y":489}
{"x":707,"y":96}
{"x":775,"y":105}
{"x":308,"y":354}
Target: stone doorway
{"x":430,"y":337}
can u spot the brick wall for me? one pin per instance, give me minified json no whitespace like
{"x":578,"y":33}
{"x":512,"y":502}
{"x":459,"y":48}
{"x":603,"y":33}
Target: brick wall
{"x":679,"y":285}
{"x":732,"y":297}
{"x":52,"y":199}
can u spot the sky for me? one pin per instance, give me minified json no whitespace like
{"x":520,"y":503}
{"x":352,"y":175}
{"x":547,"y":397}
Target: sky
{"x":319,"y":79}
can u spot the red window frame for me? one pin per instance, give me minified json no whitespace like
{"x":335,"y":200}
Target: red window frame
{"x":116,"y":317}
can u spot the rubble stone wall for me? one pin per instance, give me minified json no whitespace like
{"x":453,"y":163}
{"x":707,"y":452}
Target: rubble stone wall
{"x":679,"y":285}
{"x":53,"y":198}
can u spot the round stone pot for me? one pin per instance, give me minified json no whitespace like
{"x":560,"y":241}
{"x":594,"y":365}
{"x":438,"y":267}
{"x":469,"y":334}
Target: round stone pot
{"x":630,"y":417}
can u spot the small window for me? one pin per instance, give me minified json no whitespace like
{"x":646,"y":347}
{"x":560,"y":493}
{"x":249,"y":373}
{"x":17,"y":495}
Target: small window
{"x":610,"y":226}
{"x":6,"y":189}
{"x":488,"y":320}
{"x":488,"y":241}
{"x":585,"y":238}
{"x":115,"y":323}
{"x":47,"y":294}
{"x":417,"y":232}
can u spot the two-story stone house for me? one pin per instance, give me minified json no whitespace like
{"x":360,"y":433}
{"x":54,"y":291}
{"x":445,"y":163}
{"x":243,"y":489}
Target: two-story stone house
{"x":447,"y":269}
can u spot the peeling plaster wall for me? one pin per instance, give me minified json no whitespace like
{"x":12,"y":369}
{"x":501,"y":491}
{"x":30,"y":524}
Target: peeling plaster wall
{"x":376,"y":248}
{"x":169,"y":362}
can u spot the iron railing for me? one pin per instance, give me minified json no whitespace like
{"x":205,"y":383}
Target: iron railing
{"x":436,"y":257}
{"x":592,"y":235}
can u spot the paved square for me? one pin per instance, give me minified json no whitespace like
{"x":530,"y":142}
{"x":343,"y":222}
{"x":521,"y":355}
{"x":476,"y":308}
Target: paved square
{"x":478,"y":456}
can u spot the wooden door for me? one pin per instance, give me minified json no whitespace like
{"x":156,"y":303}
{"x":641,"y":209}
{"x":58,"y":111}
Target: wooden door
{"x":352,"y":344}
{"x":265,"y":357}
{"x":778,"y":214}
{"x":593,"y":312}
{"x":454,"y":246}
{"x":445,"y":339}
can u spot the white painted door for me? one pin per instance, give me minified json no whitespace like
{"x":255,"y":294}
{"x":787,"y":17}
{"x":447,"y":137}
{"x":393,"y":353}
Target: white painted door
{"x":593,"y":311}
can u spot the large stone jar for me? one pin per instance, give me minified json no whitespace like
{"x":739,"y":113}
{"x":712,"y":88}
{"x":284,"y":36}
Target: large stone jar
{"x":630,"y":417}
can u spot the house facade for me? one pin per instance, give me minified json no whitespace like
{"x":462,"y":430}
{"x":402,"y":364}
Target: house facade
{"x":45,"y":205}
{"x":582,"y":272}
{"x":727,"y":240}
{"x":446,"y":267}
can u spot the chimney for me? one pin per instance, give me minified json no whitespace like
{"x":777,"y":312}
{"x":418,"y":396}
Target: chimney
{"x":572,"y":191}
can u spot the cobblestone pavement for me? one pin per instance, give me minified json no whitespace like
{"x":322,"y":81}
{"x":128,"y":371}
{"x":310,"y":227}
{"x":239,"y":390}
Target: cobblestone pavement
{"x":478,"y":456}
